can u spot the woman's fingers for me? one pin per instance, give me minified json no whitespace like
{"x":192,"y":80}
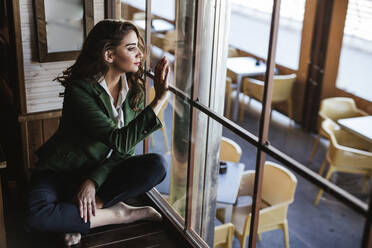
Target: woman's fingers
{"x":85,"y":209}
{"x":165,"y":69}
{"x":159,"y":66}
{"x":166,"y":76}
{"x":94,"y":207}
{"x":81,"y":209}
{"x":89,"y":210}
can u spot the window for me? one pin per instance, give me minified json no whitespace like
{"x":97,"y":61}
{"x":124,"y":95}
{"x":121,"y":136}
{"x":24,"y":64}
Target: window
{"x":255,"y":15}
{"x":356,"y":53}
{"x":187,"y":112}
{"x":161,"y":8}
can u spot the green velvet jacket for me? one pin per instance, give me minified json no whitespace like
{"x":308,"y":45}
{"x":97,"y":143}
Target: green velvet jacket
{"x":87,"y":132}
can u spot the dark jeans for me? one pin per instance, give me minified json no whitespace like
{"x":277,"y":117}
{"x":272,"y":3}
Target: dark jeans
{"x":50,"y":204}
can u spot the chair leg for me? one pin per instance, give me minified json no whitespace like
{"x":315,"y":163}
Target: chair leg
{"x":230,"y":238}
{"x":320,"y":193}
{"x":290,"y":113}
{"x":286,"y":234}
{"x":365,"y":183}
{"x":228,"y":102}
{"x":242,"y":240}
{"x":152,"y":140}
{"x":323,"y":166}
{"x":314,"y":148}
{"x":164,"y":131}
{"x":271,"y":114}
{"x":242,"y":103}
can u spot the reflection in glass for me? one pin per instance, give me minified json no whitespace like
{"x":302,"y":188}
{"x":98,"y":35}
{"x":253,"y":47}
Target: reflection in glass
{"x":64,"y":25}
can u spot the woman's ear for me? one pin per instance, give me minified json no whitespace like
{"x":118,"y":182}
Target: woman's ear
{"x":109,"y":56}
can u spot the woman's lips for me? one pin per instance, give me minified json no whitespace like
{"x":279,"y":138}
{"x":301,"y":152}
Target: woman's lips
{"x":137,"y":64}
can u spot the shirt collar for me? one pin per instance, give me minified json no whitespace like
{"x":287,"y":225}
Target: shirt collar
{"x":123,"y":92}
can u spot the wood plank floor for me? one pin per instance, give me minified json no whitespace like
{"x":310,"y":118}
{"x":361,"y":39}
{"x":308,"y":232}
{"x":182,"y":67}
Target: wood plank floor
{"x":142,"y":234}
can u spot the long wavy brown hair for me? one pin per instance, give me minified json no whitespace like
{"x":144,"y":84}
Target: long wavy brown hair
{"x":90,"y":65}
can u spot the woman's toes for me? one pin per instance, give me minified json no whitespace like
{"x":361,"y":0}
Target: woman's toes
{"x":72,"y":239}
{"x":154,"y":215}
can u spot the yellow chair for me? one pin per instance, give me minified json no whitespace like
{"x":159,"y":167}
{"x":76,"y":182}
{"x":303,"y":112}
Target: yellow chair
{"x":223,"y":235}
{"x":230,"y":150}
{"x":161,"y":118}
{"x":232,"y":52}
{"x":282,"y":91}
{"x":168,"y":41}
{"x":335,"y":108}
{"x":230,"y":77}
{"x":139,"y":16}
{"x":228,"y":92}
{"x":278,"y":188}
{"x":346,"y":153}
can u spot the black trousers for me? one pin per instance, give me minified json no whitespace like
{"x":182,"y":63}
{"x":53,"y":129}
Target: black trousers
{"x":50,"y":206}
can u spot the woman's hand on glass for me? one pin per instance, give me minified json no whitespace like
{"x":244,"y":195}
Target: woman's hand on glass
{"x":86,"y":200}
{"x":162,"y":69}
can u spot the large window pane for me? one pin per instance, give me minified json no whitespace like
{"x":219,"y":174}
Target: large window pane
{"x":356,"y":53}
{"x":250,"y":28}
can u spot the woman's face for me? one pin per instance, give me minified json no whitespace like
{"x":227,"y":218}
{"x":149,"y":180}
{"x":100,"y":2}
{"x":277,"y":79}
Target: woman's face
{"x":127,"y":56}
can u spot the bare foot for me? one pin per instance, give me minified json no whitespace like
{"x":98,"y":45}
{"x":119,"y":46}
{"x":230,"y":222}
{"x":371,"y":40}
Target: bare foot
{"x":129,"y":214}
{"x":72,"y":239}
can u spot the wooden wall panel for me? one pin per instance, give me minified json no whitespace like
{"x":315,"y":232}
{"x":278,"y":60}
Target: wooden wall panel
{"x":41,"y":92}
{"x":35,"y":135}
{"x":36,"y":129}
{"x":50,"y":126}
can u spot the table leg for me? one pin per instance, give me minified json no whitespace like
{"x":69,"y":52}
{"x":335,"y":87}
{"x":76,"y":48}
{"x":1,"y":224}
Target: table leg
{"x":236,"y":104}
{"x":228,"y":210}
{"x":228,"y":213}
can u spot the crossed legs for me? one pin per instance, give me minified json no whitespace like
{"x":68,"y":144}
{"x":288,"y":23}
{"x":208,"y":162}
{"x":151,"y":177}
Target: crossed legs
{"x":50,"y":207}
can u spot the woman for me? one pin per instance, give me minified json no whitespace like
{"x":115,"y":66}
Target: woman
{"x":87,"y":169}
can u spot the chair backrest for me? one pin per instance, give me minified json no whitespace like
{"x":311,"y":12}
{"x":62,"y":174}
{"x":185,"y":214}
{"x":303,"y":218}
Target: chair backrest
{"x":336,"y":108}
{"x":230,"y":150}
{"x":169,"y":41}
{"x":223,"y":235}
{"x":279,"y":184}
{"x":232,"y":52}
{"x":282,"y":88}
{"x":139,"y":16}
{"x":346,"y":149}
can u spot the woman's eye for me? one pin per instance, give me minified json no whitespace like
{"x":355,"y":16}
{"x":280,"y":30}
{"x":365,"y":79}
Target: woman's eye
{"x":131,"y":48}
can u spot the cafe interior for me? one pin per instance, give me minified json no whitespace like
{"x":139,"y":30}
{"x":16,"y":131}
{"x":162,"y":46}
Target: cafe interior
{"x":267,"y":130}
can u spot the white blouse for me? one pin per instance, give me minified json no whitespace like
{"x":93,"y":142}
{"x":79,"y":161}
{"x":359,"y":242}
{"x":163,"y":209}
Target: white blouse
{"x":117,"y":110}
